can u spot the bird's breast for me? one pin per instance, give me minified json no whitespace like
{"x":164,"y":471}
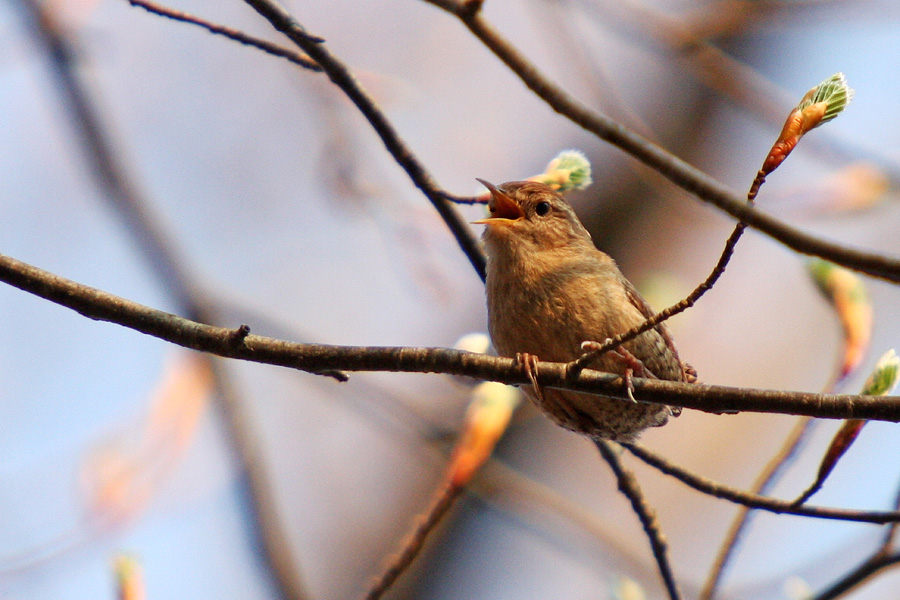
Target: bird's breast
{"x":548,"y":311}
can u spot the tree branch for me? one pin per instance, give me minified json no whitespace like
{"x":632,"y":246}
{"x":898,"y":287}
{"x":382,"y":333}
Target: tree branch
{"x":858,"y":576}
{"x":297,"y":58}
{"x":737,"y":496}
{"x":885,"y":556}
{"x":628,"y":485}
{"x":341,"y":76}
{"x":669,"y":166}
{"x":442,"y":503}
{"x":325,"y":359}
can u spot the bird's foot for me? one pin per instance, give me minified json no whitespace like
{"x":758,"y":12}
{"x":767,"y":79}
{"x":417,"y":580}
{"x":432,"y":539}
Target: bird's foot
{"x":589,"y":351}
{"x":529,"y":365}
{"x":633,"y":365}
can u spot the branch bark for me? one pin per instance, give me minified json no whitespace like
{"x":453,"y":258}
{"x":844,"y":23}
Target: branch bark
{"x":326,"y":359}
{"x":669,"y":166}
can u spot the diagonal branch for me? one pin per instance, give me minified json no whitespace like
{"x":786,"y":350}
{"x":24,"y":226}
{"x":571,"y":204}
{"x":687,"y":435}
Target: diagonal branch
{"x":341,"y":76}
{"x":295,"y":57}
{"x":859,"y":575}
{"x":671,"y":167}
{"x":628,"y":485}
{"x":885,"y":556}
{"x":585,"y":359}
{"x":764,"y":481}
{"x":443,"y":502}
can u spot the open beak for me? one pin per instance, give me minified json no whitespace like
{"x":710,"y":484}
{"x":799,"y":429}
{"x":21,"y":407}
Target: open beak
{"x":503,"y":209}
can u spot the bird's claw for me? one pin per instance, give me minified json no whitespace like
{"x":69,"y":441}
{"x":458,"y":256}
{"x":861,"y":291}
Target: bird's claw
{"x":633,"y":365}
{"x":529,"y":365}
{"x":629,"y":385}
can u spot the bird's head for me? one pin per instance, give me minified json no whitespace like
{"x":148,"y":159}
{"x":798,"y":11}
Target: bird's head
{"x":529,"y":214}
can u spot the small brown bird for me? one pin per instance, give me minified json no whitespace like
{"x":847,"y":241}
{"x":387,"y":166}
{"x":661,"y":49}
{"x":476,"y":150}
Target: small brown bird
{"x":549,"y":290}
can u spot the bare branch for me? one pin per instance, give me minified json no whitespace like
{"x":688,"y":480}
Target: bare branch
{"x":718,"y":490}
{"x":317,"y":358}
{"x":585,"y":359}
{"x":297,"y":58}
{"x":885,"y":556}
{"x":856,"y":577}
{"x":341,"y":76}
{"x":676,"y":170}
{"x":442,"y":503}
{"x":628,"y":485}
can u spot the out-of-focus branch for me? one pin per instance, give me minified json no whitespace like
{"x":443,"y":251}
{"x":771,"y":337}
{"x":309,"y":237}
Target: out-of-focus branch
{"x":849,"y":298}
{"x":676,"y":170}
{"x":442,"y":503}
{"x":128,"y":200}
{"x":628,"y":485}
{"x":865,"y":571}
{"x":885,"y":556}
{"x":325,"y":359}
{"x":341,"y":76}
{"x":105,"y":160}
{"x":764,"y":481}
{"x":298,"y":58}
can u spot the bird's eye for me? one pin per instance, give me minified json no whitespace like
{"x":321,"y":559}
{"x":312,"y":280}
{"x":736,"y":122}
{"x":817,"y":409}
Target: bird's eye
{"x":542,"y":208}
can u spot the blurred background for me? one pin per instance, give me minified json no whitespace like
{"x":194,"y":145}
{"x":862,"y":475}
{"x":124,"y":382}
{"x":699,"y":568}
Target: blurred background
{"x":283,"y":211}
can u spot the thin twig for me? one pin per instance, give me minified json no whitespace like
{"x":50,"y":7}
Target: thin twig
{"x":676,"y":170}
{"x":891,"y":534}
{"x":416,"y":541}
{"x":628,"y":485}
{"x":763,"y":483}
{"x":268,"y":47}
{"x":691,"y":299}
{"x":341,"y":76}
{"x":318,"y":358}
{"x":883,"y":557}
{"x":737,"y":496}
{"x":866,"y":570}
{"x":582,"y":361}
{"x":769,"y":473}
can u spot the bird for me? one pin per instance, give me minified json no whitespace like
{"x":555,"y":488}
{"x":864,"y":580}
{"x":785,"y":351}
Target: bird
{"x":551,"y":292}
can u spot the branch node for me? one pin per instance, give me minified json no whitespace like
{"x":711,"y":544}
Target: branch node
{"x":340,"y":376}
{"x":469,"y":8}
{"x":238,"y":336}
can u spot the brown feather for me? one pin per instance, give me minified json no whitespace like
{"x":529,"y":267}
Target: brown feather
{"x":549,"y":289}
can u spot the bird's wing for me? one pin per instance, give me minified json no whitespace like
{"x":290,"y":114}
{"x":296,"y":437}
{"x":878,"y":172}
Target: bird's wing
{"x":690,"y":373}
